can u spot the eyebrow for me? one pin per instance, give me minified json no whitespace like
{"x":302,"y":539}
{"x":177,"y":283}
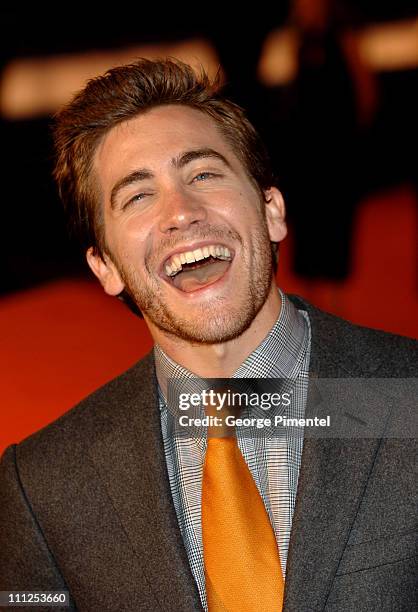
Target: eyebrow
{"x":179,"y":162}
{"x":189,"y":156}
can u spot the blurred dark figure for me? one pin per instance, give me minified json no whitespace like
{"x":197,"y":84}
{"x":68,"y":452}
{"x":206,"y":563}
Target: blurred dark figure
{"x":316,"y":147}
{"x":239,"y":49}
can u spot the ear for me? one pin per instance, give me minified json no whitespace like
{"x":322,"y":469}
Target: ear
{"x":106,"y":272}
{"x":275,"y":214}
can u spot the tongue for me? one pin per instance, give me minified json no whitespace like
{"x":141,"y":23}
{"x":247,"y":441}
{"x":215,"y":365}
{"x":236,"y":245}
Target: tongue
{"x":196,"y":278}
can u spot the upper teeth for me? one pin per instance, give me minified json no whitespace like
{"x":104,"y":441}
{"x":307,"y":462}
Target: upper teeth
{"x":174,"y":264}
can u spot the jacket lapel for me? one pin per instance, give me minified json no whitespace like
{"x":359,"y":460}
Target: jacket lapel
{"x":334,"y":471}
{"x":129,"y":457}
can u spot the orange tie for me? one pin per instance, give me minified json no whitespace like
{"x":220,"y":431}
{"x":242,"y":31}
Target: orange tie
{"x":242,"y":562}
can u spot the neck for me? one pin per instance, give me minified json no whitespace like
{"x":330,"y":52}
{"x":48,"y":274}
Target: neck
{"x":223,"y":359}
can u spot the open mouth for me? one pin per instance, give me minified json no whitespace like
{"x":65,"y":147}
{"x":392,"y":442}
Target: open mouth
{"x":189,"y":271}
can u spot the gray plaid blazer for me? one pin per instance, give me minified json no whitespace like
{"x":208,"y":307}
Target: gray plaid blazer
{"x":85,"y":503}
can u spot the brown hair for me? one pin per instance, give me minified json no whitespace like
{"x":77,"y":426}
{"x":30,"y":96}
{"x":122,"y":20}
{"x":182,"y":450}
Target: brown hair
{"x":121,"y":94}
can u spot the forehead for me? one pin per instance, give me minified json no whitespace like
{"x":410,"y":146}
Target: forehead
{"x":152,"y":139}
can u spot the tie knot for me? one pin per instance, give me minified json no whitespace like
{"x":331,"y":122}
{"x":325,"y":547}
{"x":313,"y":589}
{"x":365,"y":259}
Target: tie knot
{"x":221,"y":408}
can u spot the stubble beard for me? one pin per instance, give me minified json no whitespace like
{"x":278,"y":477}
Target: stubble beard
{"x":211,"y":323}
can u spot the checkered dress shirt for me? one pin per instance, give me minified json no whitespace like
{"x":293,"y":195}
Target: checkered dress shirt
{"x":273,"y":460}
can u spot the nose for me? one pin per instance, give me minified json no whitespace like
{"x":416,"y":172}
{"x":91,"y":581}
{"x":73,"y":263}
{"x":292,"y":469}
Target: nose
{"x":180,"y":210}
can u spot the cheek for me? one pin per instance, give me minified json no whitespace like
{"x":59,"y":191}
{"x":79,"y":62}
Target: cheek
{"x":249,"y":215}
{"x":128,"y":238}
{"x":237,"y":208}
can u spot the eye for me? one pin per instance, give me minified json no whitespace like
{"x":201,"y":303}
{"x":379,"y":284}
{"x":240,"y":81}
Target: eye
{"x":138,"y":197}
{"x":203,"y":176}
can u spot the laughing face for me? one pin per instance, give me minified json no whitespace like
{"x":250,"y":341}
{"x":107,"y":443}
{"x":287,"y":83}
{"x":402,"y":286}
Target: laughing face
{"x":187,"y":233}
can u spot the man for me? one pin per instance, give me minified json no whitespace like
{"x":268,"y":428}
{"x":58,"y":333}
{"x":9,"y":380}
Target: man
{"x":169,"y":189}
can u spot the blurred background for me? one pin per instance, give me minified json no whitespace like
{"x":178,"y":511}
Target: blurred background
{"x":332,"y":87}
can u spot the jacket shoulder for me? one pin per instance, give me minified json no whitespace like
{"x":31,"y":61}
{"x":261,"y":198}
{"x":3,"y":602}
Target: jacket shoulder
{"x":95,"y":412}
{"x":359,"y":348}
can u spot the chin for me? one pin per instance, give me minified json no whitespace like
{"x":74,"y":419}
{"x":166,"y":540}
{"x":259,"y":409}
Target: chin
{"x":209,"y":328}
